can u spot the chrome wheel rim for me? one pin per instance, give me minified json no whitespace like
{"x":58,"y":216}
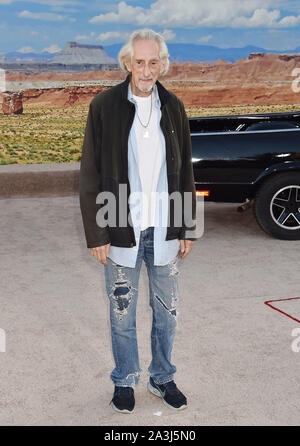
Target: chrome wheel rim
{"x":285,"y":208}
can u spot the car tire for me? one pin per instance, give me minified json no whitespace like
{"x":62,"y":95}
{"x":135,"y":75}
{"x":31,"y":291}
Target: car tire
{"x":277,"y":206}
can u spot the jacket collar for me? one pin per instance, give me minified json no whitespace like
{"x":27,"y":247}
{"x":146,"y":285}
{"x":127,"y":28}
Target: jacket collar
{"x":162,"y":91}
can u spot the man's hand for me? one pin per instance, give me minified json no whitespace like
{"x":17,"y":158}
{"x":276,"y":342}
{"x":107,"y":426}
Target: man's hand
{"x":100,"y":253}
{"x":185,"y":247}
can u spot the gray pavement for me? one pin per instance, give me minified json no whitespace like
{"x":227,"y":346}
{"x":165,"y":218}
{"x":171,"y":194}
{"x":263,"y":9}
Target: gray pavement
{"x":233,"y":353}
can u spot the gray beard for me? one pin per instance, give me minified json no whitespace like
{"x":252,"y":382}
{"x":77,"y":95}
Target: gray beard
{"x":147,"y":90}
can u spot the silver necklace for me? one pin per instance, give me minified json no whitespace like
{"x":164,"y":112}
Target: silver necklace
{"x":145,"y":129}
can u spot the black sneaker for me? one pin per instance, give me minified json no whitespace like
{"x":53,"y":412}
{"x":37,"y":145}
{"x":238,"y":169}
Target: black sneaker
{"x":171,"y":396}
{"x":123,"y":399}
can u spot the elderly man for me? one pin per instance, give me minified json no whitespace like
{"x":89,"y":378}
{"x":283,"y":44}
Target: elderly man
{"x":137,"y":136}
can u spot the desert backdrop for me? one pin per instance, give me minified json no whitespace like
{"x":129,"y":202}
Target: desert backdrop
{"x":55,"y":105}
{"x":261,"y":79}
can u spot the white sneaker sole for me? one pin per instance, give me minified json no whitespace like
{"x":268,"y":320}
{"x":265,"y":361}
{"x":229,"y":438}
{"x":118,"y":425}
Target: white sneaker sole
{"x":157,"y":393}
{"x":119,"y":410}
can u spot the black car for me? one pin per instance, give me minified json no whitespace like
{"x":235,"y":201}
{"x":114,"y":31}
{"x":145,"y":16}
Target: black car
{"x":252,"y":158}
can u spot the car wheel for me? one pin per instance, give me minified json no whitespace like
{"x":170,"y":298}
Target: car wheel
{"x":277,"y":206}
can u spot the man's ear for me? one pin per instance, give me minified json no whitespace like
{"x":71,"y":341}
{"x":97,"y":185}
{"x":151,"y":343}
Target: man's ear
{"x":127,"y":64}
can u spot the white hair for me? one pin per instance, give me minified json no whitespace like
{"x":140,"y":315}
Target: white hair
{"x":126,"y":51}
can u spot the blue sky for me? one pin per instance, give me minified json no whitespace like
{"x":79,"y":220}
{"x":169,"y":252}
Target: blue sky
{"x":40,"y":25}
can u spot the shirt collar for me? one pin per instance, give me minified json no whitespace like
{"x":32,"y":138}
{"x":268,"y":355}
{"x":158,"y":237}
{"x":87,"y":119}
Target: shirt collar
{"x":155,"y":94}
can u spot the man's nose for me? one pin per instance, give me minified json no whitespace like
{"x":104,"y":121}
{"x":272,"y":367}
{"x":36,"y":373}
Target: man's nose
{"x":147,"y":71}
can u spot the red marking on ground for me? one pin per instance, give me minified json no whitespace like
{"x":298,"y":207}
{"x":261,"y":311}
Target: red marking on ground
{"x":280,"y":311}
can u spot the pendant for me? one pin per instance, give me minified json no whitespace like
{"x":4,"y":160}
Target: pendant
{"x":146,"y":133}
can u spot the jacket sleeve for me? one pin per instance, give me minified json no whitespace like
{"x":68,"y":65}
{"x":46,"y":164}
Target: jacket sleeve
{"x":89,"y":181}
{"x":188,"y":231}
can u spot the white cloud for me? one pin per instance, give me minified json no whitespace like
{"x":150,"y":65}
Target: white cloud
{"x":217,"y":13}
{"x":119,"y":36}
{"x":113,"y":35}
{"x":26,"y":49}
{"x":168,"y":34}
{"x":205,"y":39}
{"x":260,"y":17}
{"x":125,"y":14}
{"x":52,"y":49}
{"x":39,"y":15}
{"x":289,"y":21}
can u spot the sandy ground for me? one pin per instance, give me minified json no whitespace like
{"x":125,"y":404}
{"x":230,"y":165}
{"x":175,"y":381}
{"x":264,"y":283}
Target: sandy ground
{"x":233,"y":353}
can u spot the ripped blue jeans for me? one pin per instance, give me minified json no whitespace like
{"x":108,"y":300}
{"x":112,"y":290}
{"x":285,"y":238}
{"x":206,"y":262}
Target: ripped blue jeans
{"x":122,"y":290}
